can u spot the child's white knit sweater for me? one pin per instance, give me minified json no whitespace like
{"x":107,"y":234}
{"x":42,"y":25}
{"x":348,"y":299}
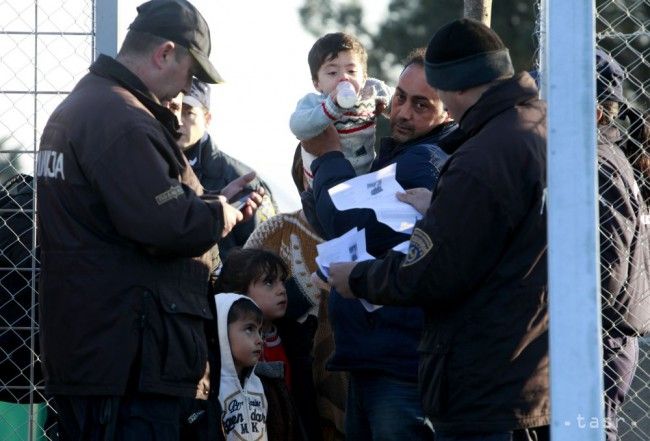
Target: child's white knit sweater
{"x":356,"y":125}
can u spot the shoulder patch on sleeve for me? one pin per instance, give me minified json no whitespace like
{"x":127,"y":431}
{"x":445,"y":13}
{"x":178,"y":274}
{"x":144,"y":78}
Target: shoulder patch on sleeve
{"x":419,"y":245}
{"x":172,"y":193}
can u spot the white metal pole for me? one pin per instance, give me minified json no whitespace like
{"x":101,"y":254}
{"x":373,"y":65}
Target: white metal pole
{"x":574,"y":275}
{"x":106,"y":26}
{"x":541,"y":54}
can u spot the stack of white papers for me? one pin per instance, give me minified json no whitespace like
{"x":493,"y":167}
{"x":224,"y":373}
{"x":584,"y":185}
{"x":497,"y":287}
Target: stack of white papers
{"x":377,"y":192}
{"x":351,"y":247}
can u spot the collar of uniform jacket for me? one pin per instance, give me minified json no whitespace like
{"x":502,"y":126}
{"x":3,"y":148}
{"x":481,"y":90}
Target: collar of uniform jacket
{"x":497,"y":99}
{"x":108,"y":67}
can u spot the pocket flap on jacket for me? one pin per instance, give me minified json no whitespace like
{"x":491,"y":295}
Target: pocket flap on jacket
{"x":175,"y":301}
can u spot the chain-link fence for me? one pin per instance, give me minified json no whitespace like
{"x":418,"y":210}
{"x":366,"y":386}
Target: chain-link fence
{"x":622,"y":31}
{"x":45,"y":47}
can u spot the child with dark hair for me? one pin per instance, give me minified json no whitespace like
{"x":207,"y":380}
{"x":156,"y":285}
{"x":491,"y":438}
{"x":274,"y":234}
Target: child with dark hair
{"x":347,"y":98}
{"x":260,"y":275}
{"x":319,"y":394}
{"x":241,"y":394}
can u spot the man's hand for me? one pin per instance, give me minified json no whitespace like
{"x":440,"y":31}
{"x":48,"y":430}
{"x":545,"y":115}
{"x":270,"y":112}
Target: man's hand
{"x":380,"y":106}
{"x":328,"y":141}
{"x":251,"y":200}
{"x":339,"y":274}
{"x":231,"y":216}
{"x":238,"y":185}
{"x":419,"y":198}
{"x":203,"y":388}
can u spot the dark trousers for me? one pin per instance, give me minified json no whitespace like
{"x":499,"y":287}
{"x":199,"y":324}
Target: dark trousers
{"x":535,"y":434}
{"x":106,"y":418}
{"x":620,"y":357}
{"x":383,"y":408}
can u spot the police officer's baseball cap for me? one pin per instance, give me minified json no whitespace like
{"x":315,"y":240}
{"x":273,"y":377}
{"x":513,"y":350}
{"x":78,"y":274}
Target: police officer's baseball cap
{"x":198,"y":95}
{"x":179,"y":21}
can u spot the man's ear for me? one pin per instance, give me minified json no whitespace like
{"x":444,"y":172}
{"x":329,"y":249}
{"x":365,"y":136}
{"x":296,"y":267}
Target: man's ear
{"x":163,"y":53}
{"x":315,"y":82}
{"x":599,"y":114}
{"x":208,"y":118}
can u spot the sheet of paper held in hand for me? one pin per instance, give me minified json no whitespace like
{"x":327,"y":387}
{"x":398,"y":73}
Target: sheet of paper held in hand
{"x":350,"y":247}
{"x":377,"y":192}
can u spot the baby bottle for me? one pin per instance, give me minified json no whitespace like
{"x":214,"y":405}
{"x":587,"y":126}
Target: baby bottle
{"x":346,"y":96}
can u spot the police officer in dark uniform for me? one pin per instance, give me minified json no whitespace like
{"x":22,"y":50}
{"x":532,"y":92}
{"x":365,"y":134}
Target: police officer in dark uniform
{"x":476,"y":261}
{"x":624,"y":258}
{"x":125,"y":228}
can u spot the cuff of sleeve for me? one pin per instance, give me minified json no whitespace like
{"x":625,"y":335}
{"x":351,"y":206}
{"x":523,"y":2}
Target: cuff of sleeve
{"x":323,"y":158}
{"x":358,"y":281}
{"x":331,"y":109}
{"x":217,"y":210}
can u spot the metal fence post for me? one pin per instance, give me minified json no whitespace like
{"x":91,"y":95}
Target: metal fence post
{"x":574,"y":281}
{"x":106,"y":27}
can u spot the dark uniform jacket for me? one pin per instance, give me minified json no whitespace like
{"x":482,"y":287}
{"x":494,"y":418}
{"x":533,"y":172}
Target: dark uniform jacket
{"x":477,"y":265}
{"x":123,"y":238}
{"x":215,"y":170}
{"x":625,"y":253}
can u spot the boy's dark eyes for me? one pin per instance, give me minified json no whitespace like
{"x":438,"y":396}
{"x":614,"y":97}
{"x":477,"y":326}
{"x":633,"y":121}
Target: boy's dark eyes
{"x":252,"y":329}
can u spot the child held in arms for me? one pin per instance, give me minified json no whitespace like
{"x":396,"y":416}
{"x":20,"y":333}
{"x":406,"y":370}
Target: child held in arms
{"x":346,"y":98}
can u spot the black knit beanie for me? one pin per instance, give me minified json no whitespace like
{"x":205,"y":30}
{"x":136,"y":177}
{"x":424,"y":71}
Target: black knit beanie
{"x":465,"y":53}
{"x":609,"y":78}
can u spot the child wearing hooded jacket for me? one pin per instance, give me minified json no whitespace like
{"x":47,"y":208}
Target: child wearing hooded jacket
{"x":243,"y":403}
{"x":258,"y":276}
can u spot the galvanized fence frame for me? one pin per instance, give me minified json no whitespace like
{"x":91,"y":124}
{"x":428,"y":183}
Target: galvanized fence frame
{"x":46,"y":46}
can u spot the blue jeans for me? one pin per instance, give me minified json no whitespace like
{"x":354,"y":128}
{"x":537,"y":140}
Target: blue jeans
{"x":534,"y":434}
{"x":383,"y":408}
{"x":500,"y":436}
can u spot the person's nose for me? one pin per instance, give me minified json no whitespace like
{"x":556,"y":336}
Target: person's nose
{"x":258,"y":339}
{"x":188,"y":85}
{"x":405,"y":112}
{"x":346,"y":77}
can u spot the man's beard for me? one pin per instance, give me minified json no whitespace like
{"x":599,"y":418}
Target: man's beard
{"x":402,"y":131}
